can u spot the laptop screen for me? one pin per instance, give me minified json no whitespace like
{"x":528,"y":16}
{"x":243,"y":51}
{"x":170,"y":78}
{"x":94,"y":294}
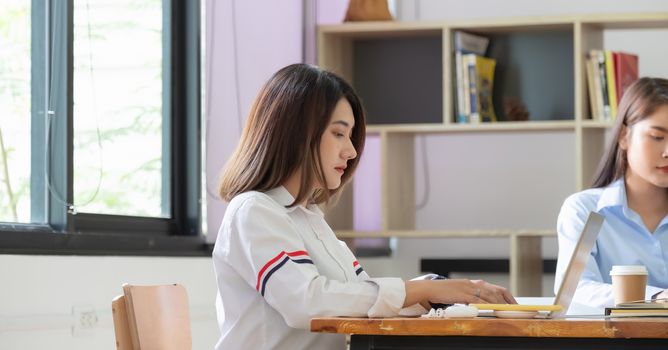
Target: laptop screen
{"x":578,"y":262}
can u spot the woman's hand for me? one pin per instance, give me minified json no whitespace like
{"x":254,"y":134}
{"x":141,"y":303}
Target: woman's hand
{"x":453,"y":291}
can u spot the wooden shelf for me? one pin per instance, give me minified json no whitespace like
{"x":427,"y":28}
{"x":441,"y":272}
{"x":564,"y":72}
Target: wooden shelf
{"x":482,"y":127}
{"x":604,"y":21}
{"x":447,"y":233}
{"x":593,"y":124}
{"x":507,"y":25}
{"x":627,"y":21}
{"x":404,"y":74}
{"x":380,"y":29}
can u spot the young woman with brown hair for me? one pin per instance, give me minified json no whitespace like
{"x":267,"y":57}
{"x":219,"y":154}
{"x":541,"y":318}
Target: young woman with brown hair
{"x":631,"y":190}
{"x":277,"y":262}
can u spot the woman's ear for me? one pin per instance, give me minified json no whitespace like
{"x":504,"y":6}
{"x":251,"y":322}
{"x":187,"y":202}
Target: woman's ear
{"x":623,"y":139}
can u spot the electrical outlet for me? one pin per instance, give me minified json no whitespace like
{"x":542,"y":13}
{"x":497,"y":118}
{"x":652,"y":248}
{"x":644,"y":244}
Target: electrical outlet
{"x":84,"y":320}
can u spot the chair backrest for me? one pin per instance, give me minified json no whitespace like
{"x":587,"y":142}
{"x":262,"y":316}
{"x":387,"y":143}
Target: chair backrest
{"x":152,"y":317}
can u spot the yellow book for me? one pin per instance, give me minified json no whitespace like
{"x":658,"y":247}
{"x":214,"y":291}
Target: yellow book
{"x":610,"y":77}
{"x":481,"y":82}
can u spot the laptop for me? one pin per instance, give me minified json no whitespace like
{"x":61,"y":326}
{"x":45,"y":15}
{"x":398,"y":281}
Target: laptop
{"x":569,"y":284}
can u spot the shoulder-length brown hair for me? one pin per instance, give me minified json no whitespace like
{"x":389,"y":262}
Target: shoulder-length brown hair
{"x":283,"y":131}
{"x":641,"y":99}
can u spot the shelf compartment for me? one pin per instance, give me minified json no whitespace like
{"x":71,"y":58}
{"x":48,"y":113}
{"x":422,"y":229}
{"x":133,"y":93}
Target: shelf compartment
{"x":530,"y":66}
{"x":400,"y":80}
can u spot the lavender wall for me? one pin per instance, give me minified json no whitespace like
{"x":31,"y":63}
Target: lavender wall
{"x":246,"y":41}
{"x":330,"y":11}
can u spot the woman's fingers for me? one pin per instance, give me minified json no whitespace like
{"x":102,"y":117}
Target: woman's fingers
{"x":491,"y":293}
{"x":508,"y":297}
{"x":466,"y":291}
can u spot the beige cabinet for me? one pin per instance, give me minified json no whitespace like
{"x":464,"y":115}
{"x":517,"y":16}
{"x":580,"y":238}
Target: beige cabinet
{"x":404,"y":73}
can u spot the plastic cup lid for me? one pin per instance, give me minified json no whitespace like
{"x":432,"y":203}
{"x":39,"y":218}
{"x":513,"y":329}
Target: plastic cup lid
{"x":628,"y":270}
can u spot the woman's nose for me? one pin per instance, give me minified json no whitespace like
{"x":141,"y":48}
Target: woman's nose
{"x":350,"y":152}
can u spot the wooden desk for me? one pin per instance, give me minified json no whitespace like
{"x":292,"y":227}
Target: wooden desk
{"x":492,"y":333}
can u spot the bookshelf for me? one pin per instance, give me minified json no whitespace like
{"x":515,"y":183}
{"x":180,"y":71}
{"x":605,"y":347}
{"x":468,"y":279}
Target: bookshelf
{"x":404,"y":73}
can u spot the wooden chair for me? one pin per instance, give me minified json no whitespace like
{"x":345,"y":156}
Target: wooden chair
{"x":152,"y":317}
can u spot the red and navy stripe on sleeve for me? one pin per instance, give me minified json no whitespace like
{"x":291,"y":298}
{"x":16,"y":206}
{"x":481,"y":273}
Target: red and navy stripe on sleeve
{"x":298,"y":257}
{"x":358,"y":268}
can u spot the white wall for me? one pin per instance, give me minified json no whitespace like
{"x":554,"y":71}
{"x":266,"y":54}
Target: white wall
{"x":243,"y":52}
{"x":39,"y":293}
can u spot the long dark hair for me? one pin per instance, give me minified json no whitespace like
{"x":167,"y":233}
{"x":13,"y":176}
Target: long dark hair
{"x":283,"y":132}
{"x":641,"y":99}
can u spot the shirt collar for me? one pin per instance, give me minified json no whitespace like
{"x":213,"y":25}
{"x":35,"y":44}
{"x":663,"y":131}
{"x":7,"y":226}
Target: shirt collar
{"x":283,"y":197}
{"x":614,"y":195}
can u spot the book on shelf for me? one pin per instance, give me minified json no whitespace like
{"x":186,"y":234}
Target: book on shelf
{"x":465,"y":43}
{"x":609,"y":74}
{"x":626,"y":71}
{"x":599,"y":58}
{"x":481,"y":86}
{"x":470,"y":43}
{"x":471,"y":89}
{"x":463,"y":112}
{"x":610,"y":78}
{"x":594,"y":88}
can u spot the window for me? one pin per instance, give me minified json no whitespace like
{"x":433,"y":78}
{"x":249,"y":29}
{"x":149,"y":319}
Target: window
{"x":100,"y":133}
{"x":117,"y":108}
{"x":15,"y":111}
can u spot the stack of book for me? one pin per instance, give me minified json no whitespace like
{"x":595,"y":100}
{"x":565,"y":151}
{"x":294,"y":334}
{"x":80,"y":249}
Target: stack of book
{"x":474,"y":79}
{"x":609,"y":74}
{"x":643,"y":308}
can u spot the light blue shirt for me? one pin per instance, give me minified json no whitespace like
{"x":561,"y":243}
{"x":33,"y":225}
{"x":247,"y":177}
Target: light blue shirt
{"x":623,"y":240}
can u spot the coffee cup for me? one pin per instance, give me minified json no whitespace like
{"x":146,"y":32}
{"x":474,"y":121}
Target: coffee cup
{"x":628,"y":282}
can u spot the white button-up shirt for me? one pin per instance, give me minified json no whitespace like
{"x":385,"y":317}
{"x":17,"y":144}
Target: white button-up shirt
{"x":278,"y":267}
{"x":623,"y":240}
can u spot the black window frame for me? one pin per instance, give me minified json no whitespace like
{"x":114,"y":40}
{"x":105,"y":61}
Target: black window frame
{"x":69,"y":233}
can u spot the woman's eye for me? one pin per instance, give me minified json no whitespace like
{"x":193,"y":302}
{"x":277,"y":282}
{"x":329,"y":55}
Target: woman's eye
{"x":656,"y":138}
{"x":338,"y":134}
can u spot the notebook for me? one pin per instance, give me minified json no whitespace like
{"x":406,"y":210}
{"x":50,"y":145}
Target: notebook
{"x":572,"y":274}
{"x":640,"y":308}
